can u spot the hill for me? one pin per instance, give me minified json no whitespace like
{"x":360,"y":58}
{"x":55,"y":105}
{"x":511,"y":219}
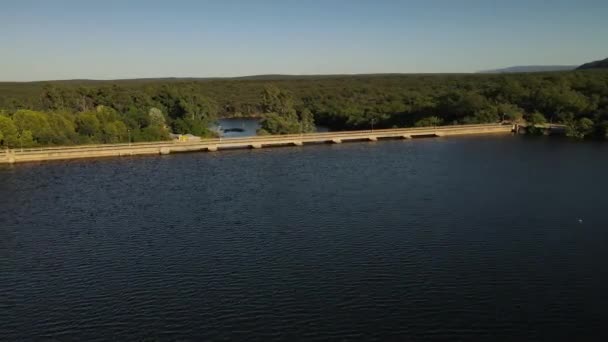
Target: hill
{"x":602,"y":64}
{"x":530,"y":68}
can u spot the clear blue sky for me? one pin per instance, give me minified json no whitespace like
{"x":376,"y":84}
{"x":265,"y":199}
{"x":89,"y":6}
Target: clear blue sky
{"x":106,"y":39}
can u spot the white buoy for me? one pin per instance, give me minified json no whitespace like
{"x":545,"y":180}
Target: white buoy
{"x":580,"y":220}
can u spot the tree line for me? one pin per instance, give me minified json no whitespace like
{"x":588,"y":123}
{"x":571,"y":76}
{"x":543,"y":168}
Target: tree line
{"x":79,"y":112}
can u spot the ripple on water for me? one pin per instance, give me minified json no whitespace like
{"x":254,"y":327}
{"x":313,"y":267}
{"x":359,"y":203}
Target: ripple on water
{"x":450,"y":239}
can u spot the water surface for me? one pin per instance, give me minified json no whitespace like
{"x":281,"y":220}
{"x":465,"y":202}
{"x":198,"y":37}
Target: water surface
{"x":244,"y":127}
{"x":441,"y":239}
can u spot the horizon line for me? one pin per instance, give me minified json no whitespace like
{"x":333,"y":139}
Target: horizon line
{"x":211,"y":78}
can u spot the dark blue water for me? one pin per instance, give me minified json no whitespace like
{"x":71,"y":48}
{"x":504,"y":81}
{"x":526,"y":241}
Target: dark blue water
{"x":431,"y":239}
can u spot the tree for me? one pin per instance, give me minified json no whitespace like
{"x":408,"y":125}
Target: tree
{"x":580,"y":129}
{"x":83,"y":99}
{"x":34,"y":122}
{"x":113,"y":132}
{"x":273,"y":123}
{"x":9,"y":137}
{"x":274,"y":100}
{"x":512,"y":91}
{"x":585,"y":126}
{"x":554,"y":100}
{"x":280,"y":116}
{"x":429,"y":121}
{"x":197,"y":107}
{"x":464,"y":104}
{"x":191,"y":126}
{"x":511,"y":112}
{"x":52,"y":98}
{"x":307,"y":121}
{"x":156,"y":117}
{"x":536,"y":118}
{"x":26,"y":139}
{"x":88,"y":124}
{"x":482,"y":116}
{"x":63,"y":128}
{"x":151,"y":133}
{"x":340,"y":103}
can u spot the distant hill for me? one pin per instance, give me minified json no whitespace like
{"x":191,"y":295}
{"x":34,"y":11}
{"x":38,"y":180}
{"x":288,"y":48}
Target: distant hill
{"x":603,"y":64}
{"x":530,"y":68}
{"x":265,"y":77}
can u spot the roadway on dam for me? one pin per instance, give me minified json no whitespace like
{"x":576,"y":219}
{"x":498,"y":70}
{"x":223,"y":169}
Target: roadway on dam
{"x":116,"y":150}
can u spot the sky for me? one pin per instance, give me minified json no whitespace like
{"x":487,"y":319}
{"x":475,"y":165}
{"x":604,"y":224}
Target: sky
{"x":117,"y":39}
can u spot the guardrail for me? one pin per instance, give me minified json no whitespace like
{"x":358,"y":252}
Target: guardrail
{"x":251,"y":138}
{"x":69,"y":152}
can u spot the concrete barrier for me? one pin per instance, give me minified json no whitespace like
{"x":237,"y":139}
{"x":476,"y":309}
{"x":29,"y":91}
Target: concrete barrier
{"x":164,"y":148}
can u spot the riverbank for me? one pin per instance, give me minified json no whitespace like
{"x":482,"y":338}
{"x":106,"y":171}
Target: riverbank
{"x":211,"y":145}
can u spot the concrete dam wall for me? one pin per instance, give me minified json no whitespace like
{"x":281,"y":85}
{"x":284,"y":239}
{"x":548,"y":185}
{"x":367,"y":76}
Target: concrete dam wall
{"x":210,"y":145}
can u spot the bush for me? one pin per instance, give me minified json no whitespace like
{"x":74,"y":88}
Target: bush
{"x":536,"y":118}
{"x":580,"y":129}
{"x":274,"y":123}
{"x":429,"y":121}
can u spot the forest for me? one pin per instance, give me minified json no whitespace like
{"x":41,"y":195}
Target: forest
{"x":85,"y":112}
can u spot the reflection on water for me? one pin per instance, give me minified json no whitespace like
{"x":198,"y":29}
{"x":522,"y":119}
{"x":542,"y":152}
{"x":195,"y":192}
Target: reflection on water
{"x":237,"y":127}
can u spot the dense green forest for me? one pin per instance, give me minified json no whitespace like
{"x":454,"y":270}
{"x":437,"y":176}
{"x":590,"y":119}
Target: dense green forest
{"x":81,"y":111}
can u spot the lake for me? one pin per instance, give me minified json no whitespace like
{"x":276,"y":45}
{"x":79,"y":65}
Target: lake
{"x":472,"y":238}
{"x":243,"y":127}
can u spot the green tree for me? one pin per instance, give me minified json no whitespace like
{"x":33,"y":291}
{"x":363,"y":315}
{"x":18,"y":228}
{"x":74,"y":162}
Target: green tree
{"x":536,"y":118}
{"x":9,"y":136}
{"x":156,"y":117}
{"x":197,"y":107}
{"x":511,"y":112}
{"x":274,"y":123}
{"x":191,"y":126}
{"x":429,"y":121}
{"x":35,"y":123}
{"x":307,"y":121}
{"x":63,"y":128}
{"x":151,"y":133}
{"x":340,"y":103}
{"x":275,"y":100}
{"x":52,"y":97}
{"x":554,"y":100}
{"x":280,"y":116}
{"x":114,"y":132}
{"x":482,"y":116}
{"x":88,"y":124}
{"x":580,"y":129}
{"x":465,"y":104}
{"x":26,"y":139}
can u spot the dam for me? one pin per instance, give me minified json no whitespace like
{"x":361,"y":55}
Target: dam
{"x":11,"y":156}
